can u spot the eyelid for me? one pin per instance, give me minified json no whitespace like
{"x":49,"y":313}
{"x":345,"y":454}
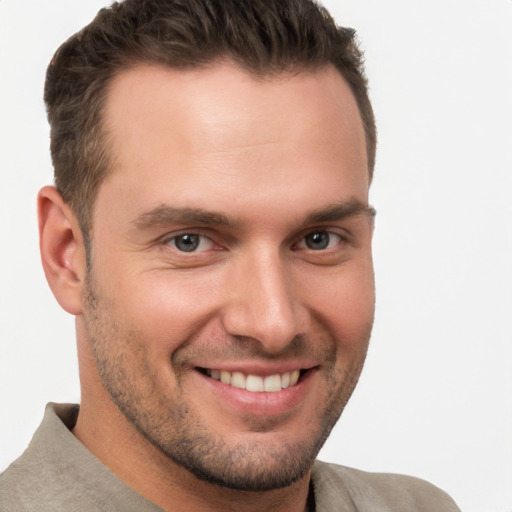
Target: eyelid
{"x":167,"y":239}
{"x":340,"y":233}
{"x":333,"y":241}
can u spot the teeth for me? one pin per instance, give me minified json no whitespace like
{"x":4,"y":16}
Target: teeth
{"x":255,"y":383}
{"x":272,"y":383}
{"x":238,"y":380}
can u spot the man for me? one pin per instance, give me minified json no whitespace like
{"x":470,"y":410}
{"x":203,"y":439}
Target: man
{"x":211,"y":232}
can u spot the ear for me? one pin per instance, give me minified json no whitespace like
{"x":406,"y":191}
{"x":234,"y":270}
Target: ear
{"x":62,"y":249}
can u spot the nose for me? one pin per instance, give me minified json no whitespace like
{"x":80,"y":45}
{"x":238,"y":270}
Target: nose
{"x":263,"y":302}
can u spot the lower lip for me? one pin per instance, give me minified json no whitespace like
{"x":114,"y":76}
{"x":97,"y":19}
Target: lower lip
{"x":260,"y":404}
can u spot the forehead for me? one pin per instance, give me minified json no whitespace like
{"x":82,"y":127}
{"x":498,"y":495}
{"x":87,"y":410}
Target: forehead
{"x":223,"y":127}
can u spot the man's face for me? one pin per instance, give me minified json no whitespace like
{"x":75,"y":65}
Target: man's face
{"x":232,"y":250}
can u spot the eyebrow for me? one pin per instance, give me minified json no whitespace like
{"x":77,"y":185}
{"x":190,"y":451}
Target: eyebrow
{"x":340,"y":211}
{"x":164,"y":215}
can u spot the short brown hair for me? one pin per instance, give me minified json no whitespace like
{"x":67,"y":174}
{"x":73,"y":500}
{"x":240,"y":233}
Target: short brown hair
{"x":265,"y":37}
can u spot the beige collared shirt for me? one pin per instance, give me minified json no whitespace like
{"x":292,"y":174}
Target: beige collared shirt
{"x":58,"y":474}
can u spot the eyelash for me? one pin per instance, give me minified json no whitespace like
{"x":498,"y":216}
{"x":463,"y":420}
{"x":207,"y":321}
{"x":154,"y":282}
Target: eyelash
{"x":172,"y":240}
{"x":330,"y":234}
{"x":301,"y":244}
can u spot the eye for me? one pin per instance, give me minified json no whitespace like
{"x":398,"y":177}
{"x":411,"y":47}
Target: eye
{"x":190,"y":242}
{"x":320,"y":240}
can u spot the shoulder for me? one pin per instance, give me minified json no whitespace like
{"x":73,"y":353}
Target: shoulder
{"x":33,"y":483}
{"x":27,"y":485}
{"x":41,"y":478}
{"x":362,"y":490}
{"x":17,"y":483}
{"x":57,"y":473}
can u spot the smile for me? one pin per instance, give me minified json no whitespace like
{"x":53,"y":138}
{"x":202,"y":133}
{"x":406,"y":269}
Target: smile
{"x":256,"y":383}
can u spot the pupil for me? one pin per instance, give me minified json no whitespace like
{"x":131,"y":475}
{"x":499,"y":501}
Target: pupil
{"x":318,"y":240}
{"x":187,"y":243}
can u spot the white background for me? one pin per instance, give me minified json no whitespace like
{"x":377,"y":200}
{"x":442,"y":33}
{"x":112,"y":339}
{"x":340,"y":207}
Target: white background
{"x":435,"y":398}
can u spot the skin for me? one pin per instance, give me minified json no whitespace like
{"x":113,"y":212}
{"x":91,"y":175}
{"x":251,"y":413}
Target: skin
{"x":263,"y":171}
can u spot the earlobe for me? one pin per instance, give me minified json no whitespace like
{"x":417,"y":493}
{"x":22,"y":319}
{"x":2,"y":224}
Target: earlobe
{"x":62,"y":249}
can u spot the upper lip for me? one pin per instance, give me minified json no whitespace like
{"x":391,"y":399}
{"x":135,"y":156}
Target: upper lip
{"x":262,"y":369}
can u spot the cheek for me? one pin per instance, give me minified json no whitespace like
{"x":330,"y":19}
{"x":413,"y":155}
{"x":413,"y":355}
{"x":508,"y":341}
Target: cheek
{"x":346,"y":304}
{"x":165,"y":307}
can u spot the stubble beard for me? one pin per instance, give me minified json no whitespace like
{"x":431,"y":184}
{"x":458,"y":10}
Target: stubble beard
{"x":167,"y":420}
